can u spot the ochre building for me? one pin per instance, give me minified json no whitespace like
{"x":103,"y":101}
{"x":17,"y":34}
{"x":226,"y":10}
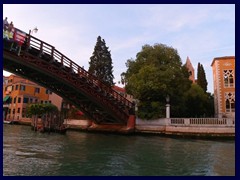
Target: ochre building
{"x":224,"y":86}
{"x":19,"y":92}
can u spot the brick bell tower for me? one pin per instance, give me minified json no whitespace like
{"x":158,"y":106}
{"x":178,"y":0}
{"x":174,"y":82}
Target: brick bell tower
{"x":190,"y":68}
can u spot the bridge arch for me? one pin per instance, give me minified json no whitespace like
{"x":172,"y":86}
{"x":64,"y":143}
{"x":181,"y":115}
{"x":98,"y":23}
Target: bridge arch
{"x":41,"y":63}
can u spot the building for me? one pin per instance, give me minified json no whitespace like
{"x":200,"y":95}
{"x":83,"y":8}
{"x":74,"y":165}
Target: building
{"x":19,"y":92}
{"x":190,"y":68}
{"x":224,"y":86}
{"x":122,"y":92}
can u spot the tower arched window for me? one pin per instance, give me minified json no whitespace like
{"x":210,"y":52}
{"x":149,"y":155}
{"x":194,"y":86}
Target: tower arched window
{"x":230,"y":102}
{"x":228,"y":76}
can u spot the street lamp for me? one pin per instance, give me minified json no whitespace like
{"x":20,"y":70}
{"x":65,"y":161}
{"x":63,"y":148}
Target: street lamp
{"x":35,"y":30}
{"x":167,"y":106}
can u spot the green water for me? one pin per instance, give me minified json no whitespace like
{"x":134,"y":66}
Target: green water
{"x":86,"y":154}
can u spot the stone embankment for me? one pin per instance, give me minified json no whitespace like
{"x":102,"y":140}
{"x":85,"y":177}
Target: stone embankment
{"x":194,"y":127}
{"x":198,"y":127}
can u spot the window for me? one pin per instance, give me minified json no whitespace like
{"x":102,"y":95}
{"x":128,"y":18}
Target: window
{"x":228,"y":78}
{"x":19,"y":100}
{"x":31,"y":100}
{"x":14,"y":100}
{"x":18,"y":111}
{"x":12,"y":88}
{"x":13,"y":111}
{"x":230,"y":102}
{"x":16,"y":88}
{"x":25,"y":100}
{"x":37,"y":90}
{"x":22,"y":87}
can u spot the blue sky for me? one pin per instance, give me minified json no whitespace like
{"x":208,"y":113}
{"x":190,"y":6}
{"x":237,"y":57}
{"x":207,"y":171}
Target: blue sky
{"x":201,"y":32}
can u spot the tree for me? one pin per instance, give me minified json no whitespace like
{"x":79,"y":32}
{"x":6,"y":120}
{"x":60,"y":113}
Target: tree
{"x":100,"y":63}
{"x":157,"y":72}
{"x":46,"y":112}
{"x":198,"y":103}
{"x":196,"y":100}
{"x":201,"y":77}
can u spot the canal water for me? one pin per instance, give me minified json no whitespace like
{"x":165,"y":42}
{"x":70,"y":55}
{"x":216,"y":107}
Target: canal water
{"x":90,"y":154}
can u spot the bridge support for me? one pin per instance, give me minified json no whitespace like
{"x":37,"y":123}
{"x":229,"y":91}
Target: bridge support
{"x":131,"y":123}
{"x":115,"y":128}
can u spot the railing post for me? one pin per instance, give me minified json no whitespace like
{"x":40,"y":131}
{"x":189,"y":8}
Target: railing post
{"x":52,"y":53}
{"x":41,"y":48}
{"x":187,"y":122}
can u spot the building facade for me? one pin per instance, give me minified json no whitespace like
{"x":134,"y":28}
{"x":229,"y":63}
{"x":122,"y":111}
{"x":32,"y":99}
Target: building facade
{"x":19,"y":92}
{"x":224,"y":86}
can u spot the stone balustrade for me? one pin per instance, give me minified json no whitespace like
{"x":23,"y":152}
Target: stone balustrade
{"x":218,"y":122}
{"x":221,"y":127}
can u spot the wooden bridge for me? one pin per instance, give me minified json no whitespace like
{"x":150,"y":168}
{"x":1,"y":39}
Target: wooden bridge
{"x":40,"y":62}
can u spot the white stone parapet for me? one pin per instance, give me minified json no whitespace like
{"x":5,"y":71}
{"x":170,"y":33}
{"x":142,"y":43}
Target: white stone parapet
{"x":188,"y":126}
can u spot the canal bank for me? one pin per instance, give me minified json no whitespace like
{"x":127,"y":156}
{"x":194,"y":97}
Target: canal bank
{"x":184,"y":127}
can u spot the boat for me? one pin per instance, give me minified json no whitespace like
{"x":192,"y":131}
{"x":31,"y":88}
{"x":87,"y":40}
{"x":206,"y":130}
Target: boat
{"x":10,"y":122}
{"x":7,"y":122}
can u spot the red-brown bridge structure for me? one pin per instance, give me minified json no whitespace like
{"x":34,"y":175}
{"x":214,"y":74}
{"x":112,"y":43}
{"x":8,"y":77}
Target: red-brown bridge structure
{"x":41,"y":63}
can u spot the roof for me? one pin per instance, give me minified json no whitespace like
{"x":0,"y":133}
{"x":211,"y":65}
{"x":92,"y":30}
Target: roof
{"x":119,"y":89}
{"x":222,"y":58}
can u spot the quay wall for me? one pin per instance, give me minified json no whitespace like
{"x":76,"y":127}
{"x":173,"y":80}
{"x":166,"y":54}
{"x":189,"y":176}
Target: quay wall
{"x":166,"y":126}
{"x":188,"y":126}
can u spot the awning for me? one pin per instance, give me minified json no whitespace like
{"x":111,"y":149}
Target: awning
{"x":6,"y":98}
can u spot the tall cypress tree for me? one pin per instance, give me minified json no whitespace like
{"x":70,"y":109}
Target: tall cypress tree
{"x":100,"y":63}
{"x":201,"y":78}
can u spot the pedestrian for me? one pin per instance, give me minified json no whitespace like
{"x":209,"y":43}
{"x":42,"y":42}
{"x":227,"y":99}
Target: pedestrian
{"x":10,"y":26}
{"x":5,"y":23}
{"x":5,"y":29}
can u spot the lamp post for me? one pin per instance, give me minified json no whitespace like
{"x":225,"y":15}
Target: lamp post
{"x":167,"y":106}
{"x":35,"y":30}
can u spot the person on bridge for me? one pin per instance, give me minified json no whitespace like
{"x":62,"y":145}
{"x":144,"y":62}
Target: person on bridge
{"x":5,"y":23}
{"x":5,"y":29}
{"x":18,"y":40}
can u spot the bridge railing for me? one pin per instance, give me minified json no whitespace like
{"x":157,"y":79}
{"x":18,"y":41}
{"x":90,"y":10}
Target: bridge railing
{"x":44,"y":49}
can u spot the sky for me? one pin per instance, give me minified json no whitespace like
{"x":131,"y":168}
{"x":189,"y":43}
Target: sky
{"x":198,"y":31}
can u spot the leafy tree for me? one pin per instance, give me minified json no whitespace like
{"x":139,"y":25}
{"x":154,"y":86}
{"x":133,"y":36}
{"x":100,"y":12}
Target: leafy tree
{"x":198,"y":103}
{"x":157,"y":72}
{"x":100,"y":63}
{"x":45,"y":111}
{"x":201,"y":77}
{"x":210,"y":105}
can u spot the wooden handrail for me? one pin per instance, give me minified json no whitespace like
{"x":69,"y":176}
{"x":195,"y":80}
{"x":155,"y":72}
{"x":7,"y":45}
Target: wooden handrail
{"x":46,"y":48}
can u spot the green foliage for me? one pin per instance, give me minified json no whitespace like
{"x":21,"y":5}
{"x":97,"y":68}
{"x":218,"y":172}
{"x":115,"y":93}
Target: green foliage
{"x":100,"y":63}
{"x":157,"y":72}
{"x":201,"y":77}
{"x":40,"y":109}
{"x":198,"y":103}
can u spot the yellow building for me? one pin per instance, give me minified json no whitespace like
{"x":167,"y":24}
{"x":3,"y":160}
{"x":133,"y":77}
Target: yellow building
{"x":18,"y":92}
{"x":224,"y":86}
